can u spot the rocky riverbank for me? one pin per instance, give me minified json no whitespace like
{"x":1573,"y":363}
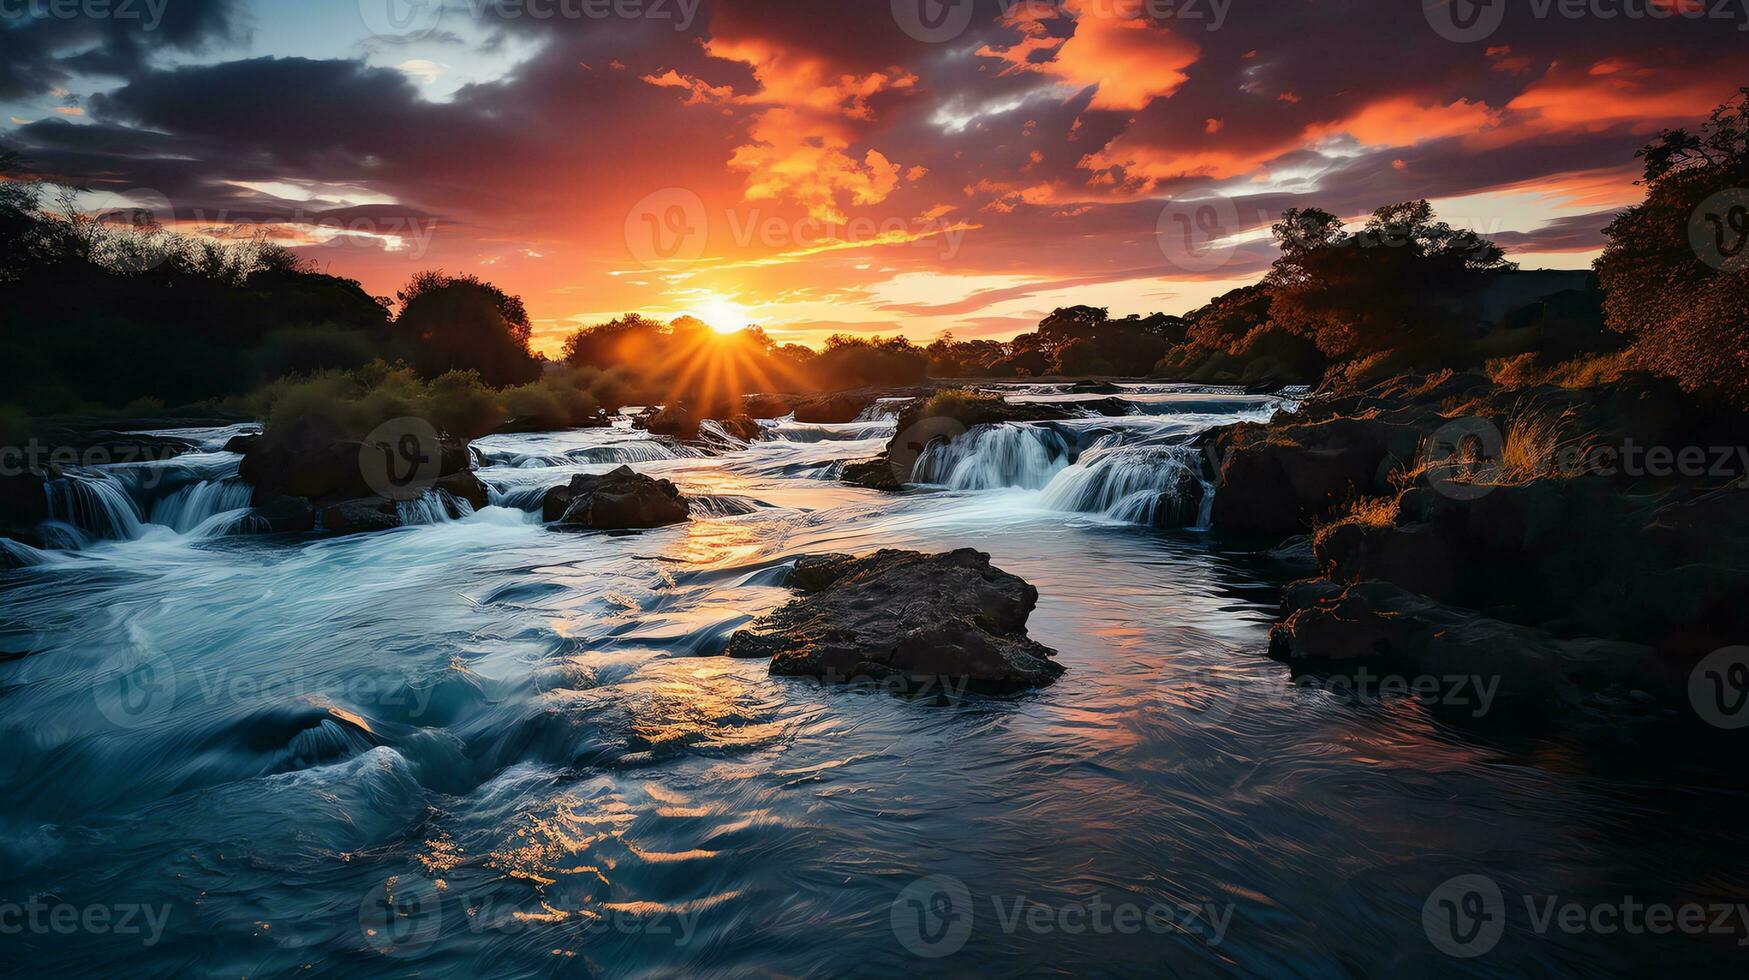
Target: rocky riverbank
{"x":1582,"y":544}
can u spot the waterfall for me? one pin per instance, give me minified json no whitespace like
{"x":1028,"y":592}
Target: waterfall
{"x":1156,"y":485}
{"x":14,"y":554}
{"x":883,"y":410}
{"x":95,"y":504}
{"x":991,"y":457}
{"x":433,"y":507}
{"x":190,"y":507}
{"x":517,"y":498}
{"x":1132,"y":474}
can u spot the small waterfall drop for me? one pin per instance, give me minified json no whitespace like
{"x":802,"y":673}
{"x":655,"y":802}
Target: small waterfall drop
{"x":1155,"y":485}
{"x":190,"y":507}
{"x":95,"y":504}
{"x":991,"y":457}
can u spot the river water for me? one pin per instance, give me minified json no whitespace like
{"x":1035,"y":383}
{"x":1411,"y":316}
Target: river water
{"x":475,"y":745}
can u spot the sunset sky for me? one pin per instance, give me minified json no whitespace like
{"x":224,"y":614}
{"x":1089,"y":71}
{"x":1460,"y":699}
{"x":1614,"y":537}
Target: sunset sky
{"x":850,"y":166}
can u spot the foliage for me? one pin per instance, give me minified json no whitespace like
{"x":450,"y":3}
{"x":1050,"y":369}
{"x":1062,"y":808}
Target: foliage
{"x":1686,"y":318}
{"x":453,"y":323}
{"x":1403,"y":283}
{"x":458,"y":403}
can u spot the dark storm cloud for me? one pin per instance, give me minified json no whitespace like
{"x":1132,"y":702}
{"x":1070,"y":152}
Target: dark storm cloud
{"x":40,"y":51}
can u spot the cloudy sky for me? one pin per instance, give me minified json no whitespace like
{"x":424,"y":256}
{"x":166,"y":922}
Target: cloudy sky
{"x":858,"y":165}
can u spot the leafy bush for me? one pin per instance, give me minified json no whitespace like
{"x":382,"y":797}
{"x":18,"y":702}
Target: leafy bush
{"x":1687,"y":318}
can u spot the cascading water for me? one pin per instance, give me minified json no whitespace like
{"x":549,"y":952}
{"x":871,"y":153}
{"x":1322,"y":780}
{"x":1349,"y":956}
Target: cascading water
{"x":433,"y":507}
{"x":883,"y":410}
{"x":1157,"y":485}
{"x":513,"y":728}
{"x":97,"y":504}
{"x":190,"y":507}
{"x":1139,"y":470}
{"x":991,"y":457}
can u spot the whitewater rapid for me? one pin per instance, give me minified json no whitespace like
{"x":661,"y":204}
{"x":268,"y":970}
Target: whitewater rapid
{"x":478,"y":745}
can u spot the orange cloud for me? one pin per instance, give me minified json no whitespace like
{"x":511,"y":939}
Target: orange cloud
{"x":1132,"y":60}
{"x":808,"y":163}
{"x":1401,"y":121}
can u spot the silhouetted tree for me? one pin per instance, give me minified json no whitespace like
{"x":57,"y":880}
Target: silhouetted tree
{"x":1674,"y":271}
{"x":460,"y":323}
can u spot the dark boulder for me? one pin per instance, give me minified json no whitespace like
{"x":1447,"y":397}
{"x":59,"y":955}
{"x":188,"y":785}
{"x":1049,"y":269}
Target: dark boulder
{"x":359,"y":516}
{"x":282,"y":515}
{"x":243,"y":443}
{"x":671,"y":420}
{"x":622,"y":499}
{"x":544,"y":423}
{"x":875,"y":474}
{"x":24,"y":504}
{"x":465,"y":486}
{"x":1280,"y":480}
{"x":768,"y":406}
{"x":1379,"y":622}
{"x":742,"y":427}
{"x":840,"y":406}
{"x":950,"y":619}
{"x":313,"y":457}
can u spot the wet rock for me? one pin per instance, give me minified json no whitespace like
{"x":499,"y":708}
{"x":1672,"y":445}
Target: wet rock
{"x":767,"y":406}
{"x":24,"y":504}
{"x":312,"y":457}
{"x":360,"y":516}
{"x":672,"y":420}
{"x":840,"y":406}
{"x":1379,"y":622}
{"x":543,"y":423}
{"x":742,"y":427}
{"x":875,"y":474}
{"x":242,"y":443}
{"x":465,"y":486}
{"x":1295,"y":552}
{"x":948,"y":619}
{"x":1281,"y":480}
{"x":622,"y":499}
{"x":282,"y":515}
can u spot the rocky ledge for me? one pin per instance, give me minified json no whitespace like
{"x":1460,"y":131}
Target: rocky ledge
{"x":620,"y":500}
{"x":1527,"y":559}
{"x":311,"y":474}
{"x":929,"y":622}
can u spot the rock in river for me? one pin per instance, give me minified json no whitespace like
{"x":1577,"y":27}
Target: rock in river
{"x":618,"y":500}
{"x":900,"y":615}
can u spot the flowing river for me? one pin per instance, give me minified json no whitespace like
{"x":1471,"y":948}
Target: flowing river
{"x":475,"y":745}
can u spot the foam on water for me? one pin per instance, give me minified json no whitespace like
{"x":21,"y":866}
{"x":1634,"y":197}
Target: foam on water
{"x":276,"y":738}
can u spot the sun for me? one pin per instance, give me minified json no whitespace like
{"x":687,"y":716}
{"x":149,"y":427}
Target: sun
{"x":722,"y":313}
